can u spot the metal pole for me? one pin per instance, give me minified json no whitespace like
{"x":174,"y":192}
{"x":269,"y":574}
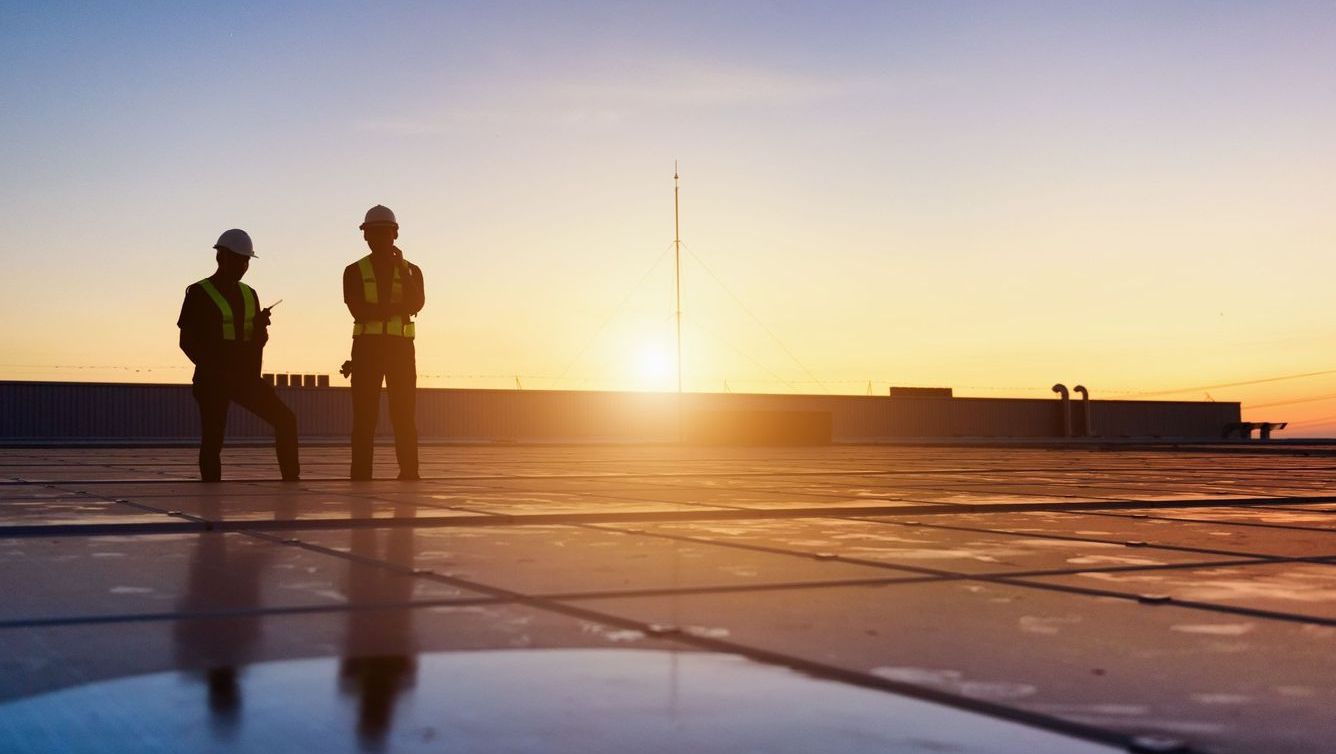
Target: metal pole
{"x":677,"y":273}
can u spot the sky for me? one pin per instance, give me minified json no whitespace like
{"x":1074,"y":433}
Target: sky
{"x":1139,"y":196}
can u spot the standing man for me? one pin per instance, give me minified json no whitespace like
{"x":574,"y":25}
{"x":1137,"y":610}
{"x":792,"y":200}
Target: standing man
{"x":223,"y":331}
{"x":384,"y":292}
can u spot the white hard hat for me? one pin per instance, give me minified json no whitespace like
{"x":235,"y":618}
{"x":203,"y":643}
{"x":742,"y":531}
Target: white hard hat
{"x":379,"y":215}
{"x":236,"y":241}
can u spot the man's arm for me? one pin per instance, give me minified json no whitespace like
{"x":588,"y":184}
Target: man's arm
{"x":191,"y":347}
{"x":262,"y":320}
{"x":353,"y":298}
{"x":192,"y":338}
{"x":414,"y":291}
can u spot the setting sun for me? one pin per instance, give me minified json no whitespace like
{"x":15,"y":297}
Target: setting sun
{"x":654,"y":367}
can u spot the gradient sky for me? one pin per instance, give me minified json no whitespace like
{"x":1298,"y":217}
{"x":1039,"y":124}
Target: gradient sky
{"x":1140,"y":197}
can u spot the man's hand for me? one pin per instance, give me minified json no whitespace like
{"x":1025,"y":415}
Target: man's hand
{"x":262,"y":319}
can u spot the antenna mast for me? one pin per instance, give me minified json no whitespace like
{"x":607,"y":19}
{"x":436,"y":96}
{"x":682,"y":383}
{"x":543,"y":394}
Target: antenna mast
{"x":677,"y":273}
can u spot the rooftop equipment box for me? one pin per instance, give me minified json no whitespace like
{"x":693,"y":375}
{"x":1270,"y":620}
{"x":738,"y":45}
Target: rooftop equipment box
{"x":920,"y":392}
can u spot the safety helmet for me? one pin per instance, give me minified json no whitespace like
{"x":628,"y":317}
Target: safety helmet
{"x":236,"y":241}
{"x":379,"y":215}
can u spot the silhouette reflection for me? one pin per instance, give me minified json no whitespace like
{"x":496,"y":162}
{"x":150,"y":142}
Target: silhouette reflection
{"x":380,"y":661}
{"x":223,"y":576}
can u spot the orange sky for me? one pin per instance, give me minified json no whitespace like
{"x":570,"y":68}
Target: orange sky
{"x":1139,"y":199}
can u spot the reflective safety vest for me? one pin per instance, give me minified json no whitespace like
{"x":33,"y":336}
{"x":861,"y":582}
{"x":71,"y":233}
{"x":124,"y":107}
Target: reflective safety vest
{"x":249,"y":301}
{"x":395,"y":325}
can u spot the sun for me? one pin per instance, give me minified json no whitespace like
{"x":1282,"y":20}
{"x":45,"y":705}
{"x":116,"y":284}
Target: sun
{"x":654,"y":367}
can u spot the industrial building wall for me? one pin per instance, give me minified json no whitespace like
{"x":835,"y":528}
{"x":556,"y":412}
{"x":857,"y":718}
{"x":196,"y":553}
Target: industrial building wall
{"x":69,"y":411}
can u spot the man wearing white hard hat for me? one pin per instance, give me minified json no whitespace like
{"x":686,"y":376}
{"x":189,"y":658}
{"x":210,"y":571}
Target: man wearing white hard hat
{"x":223,"y":331}
{"x":383,"y":292}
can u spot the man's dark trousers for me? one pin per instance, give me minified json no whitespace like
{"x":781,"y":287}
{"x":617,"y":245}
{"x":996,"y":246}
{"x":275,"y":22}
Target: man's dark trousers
{"x":255,"y":395}
{"x":392,"y":360}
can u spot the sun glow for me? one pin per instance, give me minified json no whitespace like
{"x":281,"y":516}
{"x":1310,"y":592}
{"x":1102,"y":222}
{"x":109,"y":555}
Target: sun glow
{"x":654,"y":368}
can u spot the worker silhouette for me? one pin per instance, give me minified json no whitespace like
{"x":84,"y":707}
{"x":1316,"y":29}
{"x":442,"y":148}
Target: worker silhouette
{"x":383,"y":292}
{"x":223,"y":331}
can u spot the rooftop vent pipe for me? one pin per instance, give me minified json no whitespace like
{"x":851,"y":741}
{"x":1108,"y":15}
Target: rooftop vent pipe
{"x":1087,"y":429}
{"x":1066,"y":409}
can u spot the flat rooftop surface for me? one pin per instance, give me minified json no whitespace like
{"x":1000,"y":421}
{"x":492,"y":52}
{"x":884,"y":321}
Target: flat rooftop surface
{"x":660,"y":599}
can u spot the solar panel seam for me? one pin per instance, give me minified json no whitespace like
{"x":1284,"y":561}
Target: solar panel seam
{"x":1093,"y":540}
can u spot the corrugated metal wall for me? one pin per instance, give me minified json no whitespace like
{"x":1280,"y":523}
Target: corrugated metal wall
{"x":55,"y":411}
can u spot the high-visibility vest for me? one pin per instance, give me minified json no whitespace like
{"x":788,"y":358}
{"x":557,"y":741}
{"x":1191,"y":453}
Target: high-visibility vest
{"x":249,"y":301}
{"x":395,"y":325}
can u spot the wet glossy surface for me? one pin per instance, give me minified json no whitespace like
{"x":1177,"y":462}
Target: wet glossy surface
{"x":73,"y":510}
{"x":49,"y":657}
{"x":1108,"y":595}
{"x":193,"y":573}
{"x":563,"y":559}
{"x":1125,"y":527}
{"x":1167,"y":670}
{"x":920,"y":549}
{"x":1305,"y":589}
{"x":1267,"y":515}
{"x":508,"y":701}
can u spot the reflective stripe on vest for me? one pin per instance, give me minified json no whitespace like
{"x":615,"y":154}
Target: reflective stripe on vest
{"x":224,"y":308}
{"x":395,"y":325}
